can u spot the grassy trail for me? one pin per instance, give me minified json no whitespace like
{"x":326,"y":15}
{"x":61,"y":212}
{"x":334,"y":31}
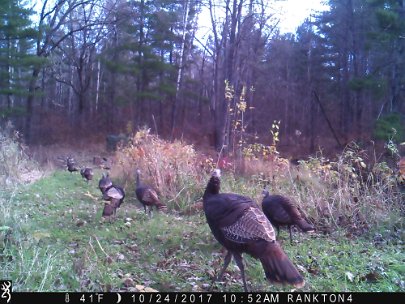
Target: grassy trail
{"x":52,"y":238}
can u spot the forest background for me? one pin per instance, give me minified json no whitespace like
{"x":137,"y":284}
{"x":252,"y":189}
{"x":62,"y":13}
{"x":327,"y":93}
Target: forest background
{"x":77,"y":70}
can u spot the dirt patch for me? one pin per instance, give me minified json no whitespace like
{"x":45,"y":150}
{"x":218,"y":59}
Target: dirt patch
{"x":54,"y":156}
{"x":31,"y":176}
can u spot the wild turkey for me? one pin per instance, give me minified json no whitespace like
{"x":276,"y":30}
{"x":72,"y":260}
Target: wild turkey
{"x":71,"y":165}
{"x":101,"y":162}
{"x":240,"y":226}
{"x":104,"y":183}
{"x":147,"y":195}
{"x":281,"y":212}
{"x":87,"y":173}
{"x":115,"y":196}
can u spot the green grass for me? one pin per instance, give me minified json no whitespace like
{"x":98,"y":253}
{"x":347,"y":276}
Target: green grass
{"x":52,"y":238}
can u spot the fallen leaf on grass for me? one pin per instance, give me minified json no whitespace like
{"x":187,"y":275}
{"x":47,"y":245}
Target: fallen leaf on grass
{"x":120,"y":257}
{"x":302,"y":268}
{"x":349,"y":276}
{"x":40,"y":235}
{"x":80,"y":223}
{"x":160,"y":238}
{"x":371,"y":277}
{"x":118,"y":242}
{"x":128,"y":282}
{"x":142,"y":288}
{"x":108,"y":260}
{"x":88,"y":194}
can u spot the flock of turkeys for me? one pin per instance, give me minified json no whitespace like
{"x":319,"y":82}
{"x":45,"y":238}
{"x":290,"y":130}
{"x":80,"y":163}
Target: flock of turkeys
{"x":114,"y":195}
{"x":236,"y":222}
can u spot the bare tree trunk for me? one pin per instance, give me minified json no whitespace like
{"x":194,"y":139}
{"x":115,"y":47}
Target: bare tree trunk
{"x":177,"y":101}
{"x":229,"y":71}
{"x":98,"y":85}
{"x":70,"y":95}
{"x":217,"y":101}
{"x":202,"y":88}
{"x":398,"y":68}
{"x":30,"y":104}
{"x":10,"y":99}
{"x":140,"y":79}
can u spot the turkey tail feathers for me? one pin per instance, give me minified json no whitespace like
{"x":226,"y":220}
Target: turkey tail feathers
{"x":305,"y":226}
{"x":278,"y":267}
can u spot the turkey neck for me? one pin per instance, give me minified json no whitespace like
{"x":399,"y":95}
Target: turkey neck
{"x":213,"y":187}
{"x":138,"y":183}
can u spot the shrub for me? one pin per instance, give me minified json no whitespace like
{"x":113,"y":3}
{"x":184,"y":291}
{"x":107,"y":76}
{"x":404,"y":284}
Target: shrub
{"x":349,"y":192}
{"x":173,"y":168}
{"x":14,"y":161}
{"x":346,"y":193}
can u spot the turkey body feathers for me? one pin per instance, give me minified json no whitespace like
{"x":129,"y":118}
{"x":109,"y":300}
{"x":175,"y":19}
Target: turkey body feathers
{"x":232,"y":216}
{"x":86,"y":173}
{"x":147,"y":195}
{"x":104,"y":183}
{"x":113,"y":194}
{"x":282,"y":212}
{"x":241,"y":227}
{"x":71,"y":165}
{"x":280,"y":209}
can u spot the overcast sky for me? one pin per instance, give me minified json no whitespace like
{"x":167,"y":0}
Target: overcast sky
{"x":290,"y":12}
{"x":293,"y":12}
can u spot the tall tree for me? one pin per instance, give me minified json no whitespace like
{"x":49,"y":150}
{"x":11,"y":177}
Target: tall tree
{"x":77,"y":53}
{"x":16,"y":43}
{"x":148,"y":51}
{"x":52,"y":31}
{"x":239,"y":34}
{"x":365,"y":46}
{"x":388,"y":41}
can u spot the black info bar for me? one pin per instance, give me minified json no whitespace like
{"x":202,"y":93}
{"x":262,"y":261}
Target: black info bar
{"x":199,"y":297}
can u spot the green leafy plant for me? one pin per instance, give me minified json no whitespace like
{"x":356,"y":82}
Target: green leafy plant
{"x":391,"y":127}
{"x":275,"y":132}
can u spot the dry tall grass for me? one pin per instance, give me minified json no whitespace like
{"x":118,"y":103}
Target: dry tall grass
{"x":341,"y":193}
{"x":345,"y":192}
{"x":173,"y":168}
{"x":15,"y":164}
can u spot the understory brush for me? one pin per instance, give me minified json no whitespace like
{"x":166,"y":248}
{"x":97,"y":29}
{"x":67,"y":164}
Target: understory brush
{"x":53,"y":238}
